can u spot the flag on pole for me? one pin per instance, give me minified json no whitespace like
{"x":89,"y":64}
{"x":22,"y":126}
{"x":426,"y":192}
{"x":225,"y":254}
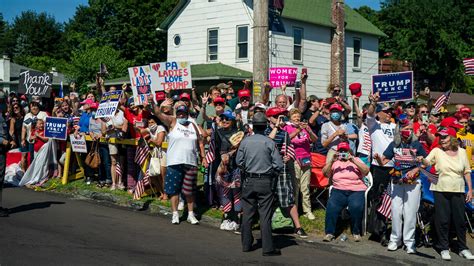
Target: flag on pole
{"x":433,"y":178}
{"x":140,"y":186}
{"x":210,"y":155}
{"x":386,"y":207}
{"x":288,"y":149}
{"x":468,"y":66}
{"x":118,"y":170}
{"x":61,"y":91}
{"x":442,"y":100}
{"x":143,"y":151}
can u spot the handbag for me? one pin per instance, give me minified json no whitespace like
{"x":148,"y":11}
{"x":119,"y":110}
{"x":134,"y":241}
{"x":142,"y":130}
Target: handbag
{"x":155,"y":162}
{"x":303,"y":162}
{"x":93,"y":157}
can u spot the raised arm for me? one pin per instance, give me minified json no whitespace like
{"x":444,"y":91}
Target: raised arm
{"x":302,"y":94}
{"x":168,"y":120}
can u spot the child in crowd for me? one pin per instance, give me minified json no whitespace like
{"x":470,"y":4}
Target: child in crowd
{"x":37,"y":135}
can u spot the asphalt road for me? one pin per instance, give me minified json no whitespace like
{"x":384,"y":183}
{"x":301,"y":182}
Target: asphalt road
{"x":46,"y":229}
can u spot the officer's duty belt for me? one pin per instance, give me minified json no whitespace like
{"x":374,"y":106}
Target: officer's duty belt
{"x":265,"y":175}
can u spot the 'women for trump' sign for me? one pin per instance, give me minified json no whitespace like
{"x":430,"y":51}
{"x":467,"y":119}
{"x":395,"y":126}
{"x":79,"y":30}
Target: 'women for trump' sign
{"x":283,"y":76}
{"x":171,"y":75}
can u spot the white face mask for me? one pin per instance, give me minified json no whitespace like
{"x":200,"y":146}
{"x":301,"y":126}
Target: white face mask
{"x":182,"y":121}
{"x":153,"y":127}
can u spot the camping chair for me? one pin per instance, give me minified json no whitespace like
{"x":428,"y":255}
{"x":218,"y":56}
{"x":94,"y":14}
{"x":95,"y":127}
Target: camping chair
{"x":424,"y":215}
{"x":368,"y":180}
{"x":469,"y":209}
{"x":318,"y":180}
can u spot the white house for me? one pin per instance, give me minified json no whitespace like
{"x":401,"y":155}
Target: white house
{"x":220,"y":31}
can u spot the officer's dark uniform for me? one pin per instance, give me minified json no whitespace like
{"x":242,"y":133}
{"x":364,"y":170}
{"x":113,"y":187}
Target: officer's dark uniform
{"x":3,"y":151}
{"x":261,"y":162}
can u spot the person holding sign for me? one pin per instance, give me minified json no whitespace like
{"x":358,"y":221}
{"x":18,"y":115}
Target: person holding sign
{"x":37,"y":136}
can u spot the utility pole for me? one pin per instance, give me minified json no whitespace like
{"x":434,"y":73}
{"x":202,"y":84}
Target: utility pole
{"x":260,"y":47}
{"x":338,"y":53}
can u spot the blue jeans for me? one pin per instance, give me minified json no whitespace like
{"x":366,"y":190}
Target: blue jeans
{"x":105,"y":175}
{"x":339,"y":200}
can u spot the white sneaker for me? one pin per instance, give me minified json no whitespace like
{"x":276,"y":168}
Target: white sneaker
{"x":181,"y":206}
{"x":466,"y":254}
{"x":445,"y":255}
{"x":392,"y":246}
{"x":232,"y":226}
{"x":310,"y":216}
{"x":192,"y":219}
{"x":411,"y":250}
{"x":175,"y":218}
{"x":224,"y":224}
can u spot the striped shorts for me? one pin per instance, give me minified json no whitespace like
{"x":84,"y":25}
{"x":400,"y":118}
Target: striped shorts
{"x":181,"y":178}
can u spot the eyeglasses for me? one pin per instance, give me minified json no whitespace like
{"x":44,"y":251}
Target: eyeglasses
{"x":423,"y":112}
{"x":244,"y":99}
{"x":464,"y":123}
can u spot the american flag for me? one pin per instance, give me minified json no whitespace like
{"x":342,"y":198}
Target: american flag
{"x":140,"y":186}
{"x":433,"y":178}
{"x":386,"y":207}
{"x":468,"y":66}
{"x":211,"y":152}
{"x":442,"y":100}
{"x":118,"y":170}
{"x":288,"y":149}
{"x":75,"y":120}
{"x":143,"y":151}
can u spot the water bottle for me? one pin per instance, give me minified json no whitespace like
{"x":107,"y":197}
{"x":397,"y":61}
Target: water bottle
{"x":343,"y":238}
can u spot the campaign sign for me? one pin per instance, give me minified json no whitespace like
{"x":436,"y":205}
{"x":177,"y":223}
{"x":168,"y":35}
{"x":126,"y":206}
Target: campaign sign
{"x":171,"y":75}
{"x":108,"y":104}
{"x":141,"y":100}
{"x":393,"y":86}
{"x":283,"y":76}
{"x":56,"y":128}
{"x":35,"y":83}
{"x":78,"y":145}
{"x":140,"y":79}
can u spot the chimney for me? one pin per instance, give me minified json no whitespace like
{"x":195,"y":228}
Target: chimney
{"x":5,"y":71}
{"x":337,"y":46}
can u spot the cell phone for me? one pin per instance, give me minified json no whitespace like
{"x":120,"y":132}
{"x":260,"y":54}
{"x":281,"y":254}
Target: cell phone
{"x":304,"y":71}
{"x":424,"y":118}
{"x":343,"y":156}
{"x":297,"y":84}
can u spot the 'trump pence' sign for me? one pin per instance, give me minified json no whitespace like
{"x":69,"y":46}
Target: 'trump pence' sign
{"x":283,"y":76}
{"x":393,"y":86}
{"x":56,"y":128}
{"x":108,"y":104}
{"x":35,"y":83}
{"x":171,"y":75}
{"x":140,"y":79}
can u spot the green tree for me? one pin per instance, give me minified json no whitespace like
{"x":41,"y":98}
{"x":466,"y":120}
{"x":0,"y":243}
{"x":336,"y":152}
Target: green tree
{"x":127,"y":26}
{"x":35,"y":35}
{"x":5,"y":39}
{"x":85,"y":63}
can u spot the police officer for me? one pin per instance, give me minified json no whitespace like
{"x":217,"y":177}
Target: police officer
{"x":4,"y":144}
{"x":261,"y":162}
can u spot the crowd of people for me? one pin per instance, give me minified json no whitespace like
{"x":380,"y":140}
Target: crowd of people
{"x":396,"y":143}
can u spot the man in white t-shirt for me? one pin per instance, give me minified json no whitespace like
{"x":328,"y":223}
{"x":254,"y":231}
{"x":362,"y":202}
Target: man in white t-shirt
{"x":381,"y":133}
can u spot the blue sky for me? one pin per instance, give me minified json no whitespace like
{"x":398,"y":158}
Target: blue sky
{"x":63,"y":10}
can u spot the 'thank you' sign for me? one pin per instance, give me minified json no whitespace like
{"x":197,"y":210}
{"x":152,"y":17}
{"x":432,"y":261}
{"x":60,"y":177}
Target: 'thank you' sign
{"x":35,"y":83}
{"x":393,"y":86}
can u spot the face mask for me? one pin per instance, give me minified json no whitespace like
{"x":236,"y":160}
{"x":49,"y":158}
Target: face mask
{"x":182,"y":121}
{"x":153,"y":128}
{"x":93,"y":114}
{"x":336,"y":116}
{"x":405,"y":133}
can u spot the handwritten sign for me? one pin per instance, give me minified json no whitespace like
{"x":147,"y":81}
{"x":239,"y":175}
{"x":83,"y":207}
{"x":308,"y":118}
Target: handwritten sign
{"x":171,"y":75}
{"x":141,"y":100}
{"x":393,"y":86}
{"x":283,"y":76}
{"x":78,"y":145}
{"x":140,"y":79}
{"x":108,"y":104}
{"x":35,"y":83}
{"x":56,"y":128}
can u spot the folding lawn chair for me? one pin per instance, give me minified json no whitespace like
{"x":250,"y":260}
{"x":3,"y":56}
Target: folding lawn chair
{"x":318,"y":181}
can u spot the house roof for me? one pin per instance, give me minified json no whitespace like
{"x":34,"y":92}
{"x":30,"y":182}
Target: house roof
{"x":215,"y":71}
{"x":455,"y":98}
{"x":311,"y":11}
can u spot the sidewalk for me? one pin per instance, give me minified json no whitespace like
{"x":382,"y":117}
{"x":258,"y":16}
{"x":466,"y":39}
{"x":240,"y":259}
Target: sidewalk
{"x":211,"y":217}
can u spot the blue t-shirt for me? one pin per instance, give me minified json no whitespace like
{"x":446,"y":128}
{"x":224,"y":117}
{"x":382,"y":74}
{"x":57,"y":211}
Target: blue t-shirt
{"x":84,"y":122}
{"x":404,"y":156}
{"x":352,"y":129}
{"x":318,"y":146}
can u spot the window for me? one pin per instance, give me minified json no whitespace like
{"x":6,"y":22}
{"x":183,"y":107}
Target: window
{"x":242,"y":42}
{"x":297,"y":44}
{"x":356,"y":63}
{"x":212,"y":40}
{"x":177,"y":40}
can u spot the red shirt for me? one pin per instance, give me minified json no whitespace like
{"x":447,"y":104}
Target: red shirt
{"x":38,"y":142}
{"x":423,"y":139}
{"x":134,"y":118}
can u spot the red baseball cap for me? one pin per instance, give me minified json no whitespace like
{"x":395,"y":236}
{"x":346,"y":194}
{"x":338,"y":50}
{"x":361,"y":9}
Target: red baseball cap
{"x":465,"y":110}
{"x":336,"y":106}
{"x":356,"y":89}
{"x":274,"y":111}
{"x":185,"y":95}
{"x":160,"y":96}
{"x":343,"y":146}
{"x":218,"y":100}
{"x":450,"y":122}
{"x":447,"y":132}
{"x":243,"y":93}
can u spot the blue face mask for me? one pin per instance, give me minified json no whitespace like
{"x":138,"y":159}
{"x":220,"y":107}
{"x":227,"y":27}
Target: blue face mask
{"x":336,"y":116}
{"x":182,"y":121}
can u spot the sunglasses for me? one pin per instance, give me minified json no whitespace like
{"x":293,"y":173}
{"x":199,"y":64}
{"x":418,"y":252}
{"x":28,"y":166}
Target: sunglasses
{"x":225,"y":119}
{"x":423,"y":112}
{"x":464,"y":123}
{"x":244,"y":99}
{"x":221,"y":104}
{"x":443,"y":136}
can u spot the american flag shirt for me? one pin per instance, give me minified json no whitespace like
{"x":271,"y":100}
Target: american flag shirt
{"x":404,"y":156}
